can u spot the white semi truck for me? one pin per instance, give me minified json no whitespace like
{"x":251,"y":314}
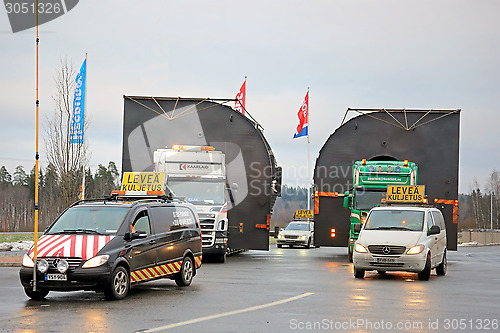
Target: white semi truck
{"x":198,"y":174}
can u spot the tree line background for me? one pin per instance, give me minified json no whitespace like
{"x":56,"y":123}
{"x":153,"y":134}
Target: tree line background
{"x":17,"y":193}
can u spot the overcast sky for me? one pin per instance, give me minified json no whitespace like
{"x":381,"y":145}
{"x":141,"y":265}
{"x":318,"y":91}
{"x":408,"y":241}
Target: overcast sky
{"x":371,"y":54}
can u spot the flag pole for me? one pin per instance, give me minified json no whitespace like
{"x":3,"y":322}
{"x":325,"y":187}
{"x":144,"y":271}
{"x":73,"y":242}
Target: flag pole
{"x":37,"y":156}
{"x":308,"y":155}
{"x":83,"y":129}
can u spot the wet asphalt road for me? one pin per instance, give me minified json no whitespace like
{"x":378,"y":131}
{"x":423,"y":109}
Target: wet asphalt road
{"x":283,"y":290}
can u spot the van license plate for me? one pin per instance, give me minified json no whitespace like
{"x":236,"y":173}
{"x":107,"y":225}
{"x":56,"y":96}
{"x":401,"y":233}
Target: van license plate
{"x":56,"y":277}
{"x":384,"y":260}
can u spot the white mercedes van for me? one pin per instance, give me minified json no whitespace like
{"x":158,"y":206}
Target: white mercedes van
{"x":401,"y":238}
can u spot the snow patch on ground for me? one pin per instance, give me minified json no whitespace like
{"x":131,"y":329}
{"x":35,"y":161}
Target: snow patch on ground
{"x":16,"y":246}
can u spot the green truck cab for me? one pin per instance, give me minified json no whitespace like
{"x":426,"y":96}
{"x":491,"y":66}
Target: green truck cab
{"x":370,"y":180}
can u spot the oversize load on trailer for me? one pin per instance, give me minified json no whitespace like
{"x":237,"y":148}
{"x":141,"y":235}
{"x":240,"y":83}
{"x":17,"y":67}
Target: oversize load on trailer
{"x":151,"y":123}
{"x":430,"y":138}
{"x":408,"y":193}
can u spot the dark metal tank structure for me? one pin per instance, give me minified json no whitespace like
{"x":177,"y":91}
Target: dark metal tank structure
{"x":253,"y":176}
{"x":430,"y":138}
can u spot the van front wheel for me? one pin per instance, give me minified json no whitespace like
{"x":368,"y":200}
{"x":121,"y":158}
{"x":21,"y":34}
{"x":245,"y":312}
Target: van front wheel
{"x":426,"y":273}
{"x":119,"y":285}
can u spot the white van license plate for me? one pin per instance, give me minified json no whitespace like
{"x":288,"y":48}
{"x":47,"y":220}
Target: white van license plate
{"x":56,"y":277}
{"x":385,"y":260}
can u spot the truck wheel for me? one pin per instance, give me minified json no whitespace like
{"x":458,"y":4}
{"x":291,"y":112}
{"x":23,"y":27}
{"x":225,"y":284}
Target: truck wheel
{"x":426,"y":273}
{"x":308,"y":243}
{"x":185,"y":275}
{"x":221,"y":258}
{"x":359,"y":273}
{"x":39,"y":294}
{"x":443,"y":266}
{"x":119,"y":284}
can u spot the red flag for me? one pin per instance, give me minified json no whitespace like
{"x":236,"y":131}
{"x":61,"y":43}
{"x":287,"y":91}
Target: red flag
{"x":303,"y":114}
{"x":239,"y":105}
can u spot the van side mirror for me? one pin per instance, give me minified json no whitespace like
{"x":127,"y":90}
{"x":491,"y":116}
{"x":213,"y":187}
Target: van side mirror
{"x":357,"y":227}
{"x":135,"y":235}
{"x":434,"y":230}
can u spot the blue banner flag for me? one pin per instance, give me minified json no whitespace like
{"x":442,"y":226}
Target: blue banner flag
{"x":77,"y":120}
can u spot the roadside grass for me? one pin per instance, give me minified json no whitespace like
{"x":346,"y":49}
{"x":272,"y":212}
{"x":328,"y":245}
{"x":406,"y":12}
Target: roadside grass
{"x":10,"y":237}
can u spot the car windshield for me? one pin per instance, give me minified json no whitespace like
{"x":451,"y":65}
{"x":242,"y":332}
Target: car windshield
{"x":298,"y":226}
{"x":199,"y":191}
{"x":89,"y":220}
{"x":410,"y":220}
{"x":367,"y":199}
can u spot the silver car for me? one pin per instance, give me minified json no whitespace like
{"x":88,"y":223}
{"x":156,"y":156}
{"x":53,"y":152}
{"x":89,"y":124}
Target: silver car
{"x":299,"y":233}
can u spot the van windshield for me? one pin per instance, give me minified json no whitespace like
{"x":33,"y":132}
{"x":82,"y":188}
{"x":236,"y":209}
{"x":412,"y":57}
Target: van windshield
{"x":410,"y":220}
{"x":89,"y":220}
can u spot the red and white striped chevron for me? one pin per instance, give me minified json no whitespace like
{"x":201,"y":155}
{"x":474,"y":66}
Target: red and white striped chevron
{"x":73,"y":246}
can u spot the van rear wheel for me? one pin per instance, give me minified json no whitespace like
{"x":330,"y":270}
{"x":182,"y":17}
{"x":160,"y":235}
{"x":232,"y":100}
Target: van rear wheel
{"x":443,"y":266}
{"x":185,"y":275}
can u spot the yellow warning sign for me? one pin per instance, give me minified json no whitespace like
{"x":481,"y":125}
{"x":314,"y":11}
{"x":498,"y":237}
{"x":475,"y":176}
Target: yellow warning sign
{"x":405,"y":193}
{"x":304,"y":214}
{"x":143,"y":181}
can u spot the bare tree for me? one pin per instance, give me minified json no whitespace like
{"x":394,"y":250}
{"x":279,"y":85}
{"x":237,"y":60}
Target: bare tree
{"x":67,"y":158}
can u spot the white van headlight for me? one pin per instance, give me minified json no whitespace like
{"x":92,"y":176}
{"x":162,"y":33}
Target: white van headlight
{"x":360,"y":248}
{"x":96,"y":261}
{"x":416,"y":249}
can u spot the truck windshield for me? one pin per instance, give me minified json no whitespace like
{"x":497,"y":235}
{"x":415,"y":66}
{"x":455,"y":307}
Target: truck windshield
{"x":298,"y":226}
{"x":410,"y":220}
{"x":89,"y":220}
{"x":367,"y":199}
{"x":199,"y":191}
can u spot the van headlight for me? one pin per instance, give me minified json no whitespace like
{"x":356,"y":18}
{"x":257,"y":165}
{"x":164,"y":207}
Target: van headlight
{"x":303,"y":237}
{"x":42,"y":265}
{"x":360,"y":248}
{"x":416,"y":249}
{"x":27,"y":261}
{"x":280,"y":236}
{"x":96,"y":261}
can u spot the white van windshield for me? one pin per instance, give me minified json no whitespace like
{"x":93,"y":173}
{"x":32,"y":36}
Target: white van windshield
{"x":410,"y":220}
{"x":90,"y":220}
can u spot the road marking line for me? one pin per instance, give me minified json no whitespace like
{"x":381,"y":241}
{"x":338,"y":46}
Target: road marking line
{"x":225,"y":314}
